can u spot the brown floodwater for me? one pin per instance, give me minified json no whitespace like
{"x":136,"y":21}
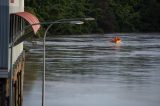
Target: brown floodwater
{"x":89,"y":70}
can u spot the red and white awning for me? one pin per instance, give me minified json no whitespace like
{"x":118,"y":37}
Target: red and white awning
{"x":31,"y":19}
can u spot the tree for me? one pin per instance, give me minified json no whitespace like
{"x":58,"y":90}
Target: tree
{"x":111,"y":15}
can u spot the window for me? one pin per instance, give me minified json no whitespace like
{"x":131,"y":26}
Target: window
{"x":16,"y":24}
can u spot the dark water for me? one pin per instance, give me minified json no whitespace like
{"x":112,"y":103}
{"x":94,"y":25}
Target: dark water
{"x":89,"y":70}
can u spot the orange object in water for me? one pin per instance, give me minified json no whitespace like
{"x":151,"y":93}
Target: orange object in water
{"x":116,"y":40}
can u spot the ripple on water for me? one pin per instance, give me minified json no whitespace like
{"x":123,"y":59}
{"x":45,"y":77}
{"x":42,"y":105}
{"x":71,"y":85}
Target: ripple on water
{"x":89,"y":70}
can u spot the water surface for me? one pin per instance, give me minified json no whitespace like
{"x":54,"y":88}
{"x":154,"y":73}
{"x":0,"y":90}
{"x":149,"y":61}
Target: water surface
{"x":89,"y":70}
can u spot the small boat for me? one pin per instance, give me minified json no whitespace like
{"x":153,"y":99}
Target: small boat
{"x":116,"y":40}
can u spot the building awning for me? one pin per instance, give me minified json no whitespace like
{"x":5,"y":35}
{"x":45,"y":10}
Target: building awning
{"x":31,"y":19}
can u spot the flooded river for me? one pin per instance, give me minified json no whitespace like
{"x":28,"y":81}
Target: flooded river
{"x":89,"y":70}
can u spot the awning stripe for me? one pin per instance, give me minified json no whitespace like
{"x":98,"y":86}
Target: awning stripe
{"x":31,"y":19}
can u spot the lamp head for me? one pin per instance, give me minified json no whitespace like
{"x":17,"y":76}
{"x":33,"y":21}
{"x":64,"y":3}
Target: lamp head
{"x":76,"y":22}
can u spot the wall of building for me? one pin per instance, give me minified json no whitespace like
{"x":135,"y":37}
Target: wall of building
{"x":18,"y":75}
{"x":4,"y":37}
{"x":17,"y":50}
{"x":16,"y":6}
{"x":6,"y":7}
{"x":18,"y":80}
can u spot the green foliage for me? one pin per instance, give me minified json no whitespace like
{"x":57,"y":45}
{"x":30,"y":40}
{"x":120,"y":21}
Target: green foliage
{"x":51,"y":10}
{"x":111,"y":15}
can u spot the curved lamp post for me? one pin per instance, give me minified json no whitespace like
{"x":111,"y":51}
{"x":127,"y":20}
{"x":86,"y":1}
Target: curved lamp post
{"x":44,"y":55}
{"x":13,"y":42}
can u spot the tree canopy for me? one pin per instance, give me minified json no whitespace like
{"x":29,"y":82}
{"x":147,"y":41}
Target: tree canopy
{"x":110,"y":15}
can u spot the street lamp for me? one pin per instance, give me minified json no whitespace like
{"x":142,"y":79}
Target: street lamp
{"x":19,"y":36}
{"x":44,"y":54}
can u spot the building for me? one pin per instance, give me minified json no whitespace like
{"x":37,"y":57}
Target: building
{"x":13,"y":19}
